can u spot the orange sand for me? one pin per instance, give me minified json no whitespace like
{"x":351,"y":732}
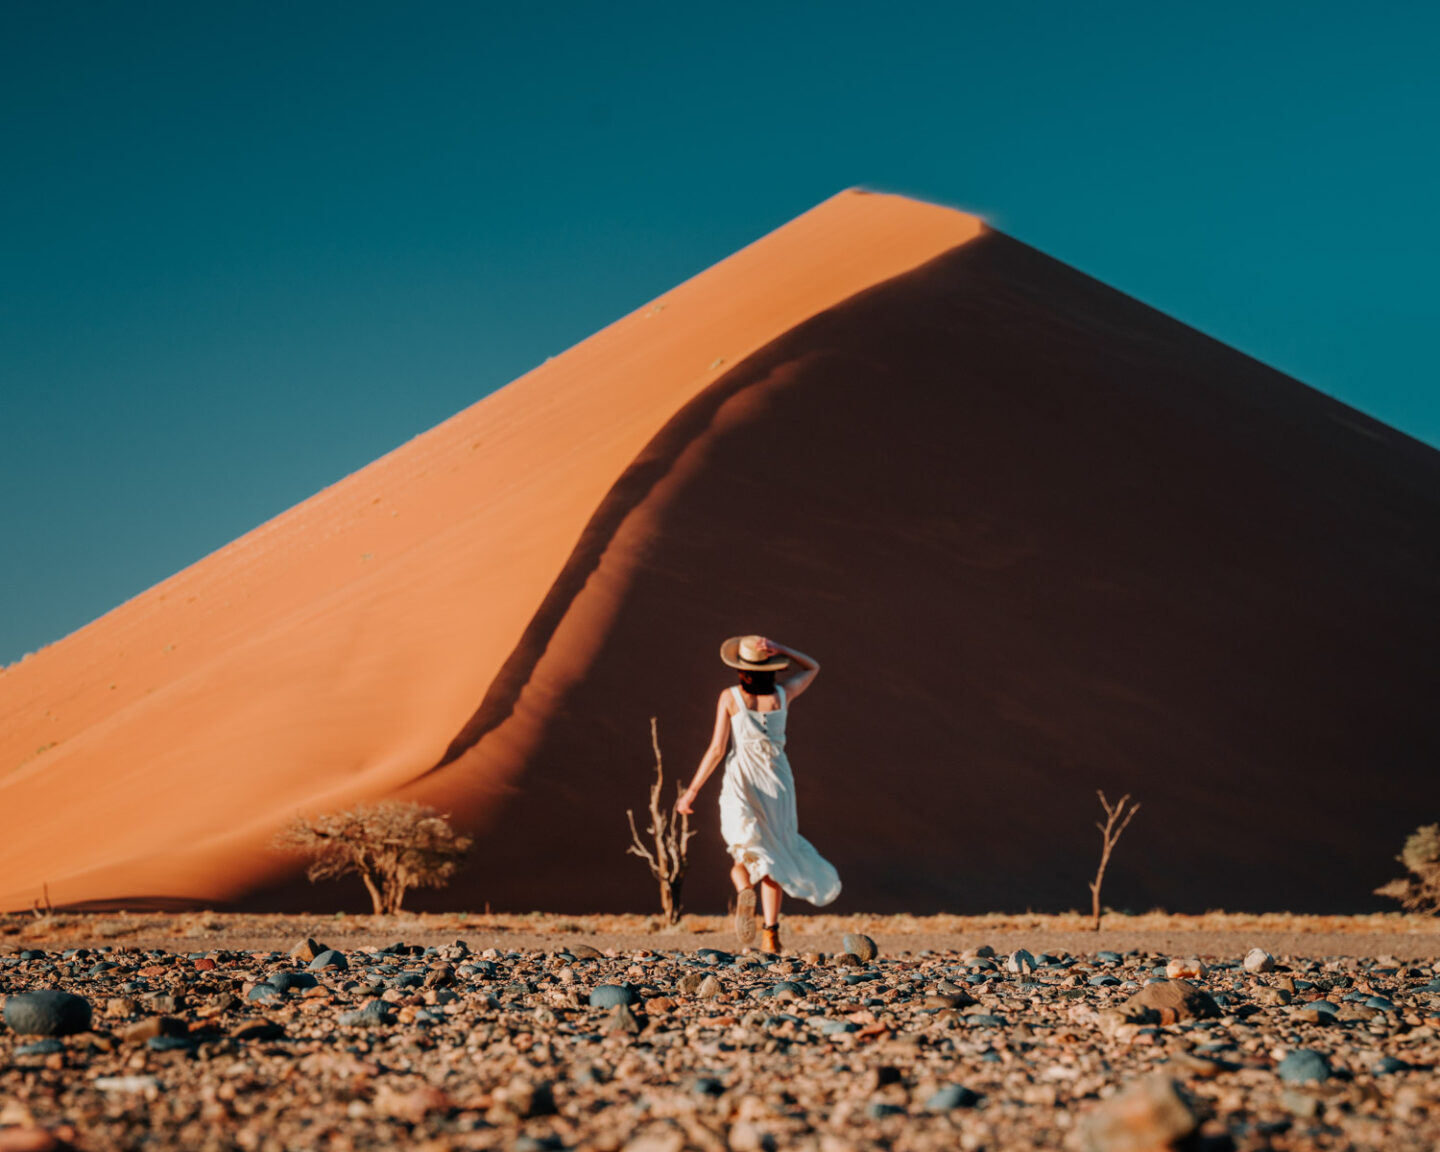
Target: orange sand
{"x":332,"y":654}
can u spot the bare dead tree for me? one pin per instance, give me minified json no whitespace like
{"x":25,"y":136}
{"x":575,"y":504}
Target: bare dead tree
{"x":392,"y":846}
{"x":1116,"y":819}
{"x":670,"y":833}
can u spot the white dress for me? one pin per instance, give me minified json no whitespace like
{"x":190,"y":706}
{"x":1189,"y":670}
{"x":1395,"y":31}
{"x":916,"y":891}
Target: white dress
{"x":757,"y":808}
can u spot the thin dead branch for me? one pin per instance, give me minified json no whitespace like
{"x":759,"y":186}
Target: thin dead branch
{"x":669,"y":832}
{"x":1116,"y":820}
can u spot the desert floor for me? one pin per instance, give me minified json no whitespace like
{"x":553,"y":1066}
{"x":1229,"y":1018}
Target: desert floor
{"x":213,"y":1030}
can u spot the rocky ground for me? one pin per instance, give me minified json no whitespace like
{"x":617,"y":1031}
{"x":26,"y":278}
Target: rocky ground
{"x":199,"y":1031}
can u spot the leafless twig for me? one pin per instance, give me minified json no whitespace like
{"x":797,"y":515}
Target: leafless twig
{"x":670,"y":834}
{"x":1116,"y":819}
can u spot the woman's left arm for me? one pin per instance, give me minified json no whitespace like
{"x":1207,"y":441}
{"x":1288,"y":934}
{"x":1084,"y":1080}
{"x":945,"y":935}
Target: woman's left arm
{"x":796,"y":682}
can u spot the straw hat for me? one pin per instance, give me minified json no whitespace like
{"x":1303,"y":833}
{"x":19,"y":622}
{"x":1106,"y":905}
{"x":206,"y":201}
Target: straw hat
{"x":744,"y":652}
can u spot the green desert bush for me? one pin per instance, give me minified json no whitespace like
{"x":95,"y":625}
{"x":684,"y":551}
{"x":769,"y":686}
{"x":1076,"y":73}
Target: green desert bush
{"x":1420,"y":891}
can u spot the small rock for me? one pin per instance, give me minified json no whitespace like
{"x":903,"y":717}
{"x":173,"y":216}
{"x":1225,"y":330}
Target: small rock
{"x":612,"y":995}
{"x":306,"y":951}
{"x":329,"y":959}
{"x":47,"y":1013}
{"x":1304,"y":1065}
{"x":622,"y":1019}
{"x":375,"y":1013}
{"x":145,"y":1030}
{"x":257,"y":1028}
{"x":46,"y":1047}
{"x":1185,"y":969}
{"x":950,"y":1096}
{"x":1300,"y":1104}
{"x":1174,"y":1000}
{"x":170,"y":1044}
{"x":586,"y":952}
{"x":861,"y":945}
{"x":1020,"y":962}
{"x":291,"y":981}
{"x":1258,"y":960}
{"x":709,"y":988}
{"x":1151,"y":1114}
{"x":1389,"y":1065}
{"x":146,"y":1084}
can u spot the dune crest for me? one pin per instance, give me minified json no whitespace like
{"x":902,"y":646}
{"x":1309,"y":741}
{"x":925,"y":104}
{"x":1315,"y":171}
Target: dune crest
{"x":335,"y":652}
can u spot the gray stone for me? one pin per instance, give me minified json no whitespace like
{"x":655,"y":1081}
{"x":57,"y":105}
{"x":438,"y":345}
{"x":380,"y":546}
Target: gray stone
{"x":264,"y":992}
{"x":950,"y":1096}
{"x":1304,"y":1065}
{"x":612,"y":996}
{"x":860,"y":945}
{"x":329,"y":959}
{"x":170,"y":1044}
{"x":1388,"y":1066}
{"x":47,"y":1047}
{"x":375,"y":1013}
{"x":47,"y":1013}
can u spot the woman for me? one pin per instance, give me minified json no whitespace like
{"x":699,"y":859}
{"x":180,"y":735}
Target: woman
{"x":757,"y":798}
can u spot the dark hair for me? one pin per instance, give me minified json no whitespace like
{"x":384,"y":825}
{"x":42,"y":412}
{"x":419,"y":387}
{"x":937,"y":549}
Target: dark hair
{"x":757,"y":683}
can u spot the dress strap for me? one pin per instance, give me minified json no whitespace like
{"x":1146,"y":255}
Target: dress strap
{"x":780,"y":691}
{"x":739,"y":699}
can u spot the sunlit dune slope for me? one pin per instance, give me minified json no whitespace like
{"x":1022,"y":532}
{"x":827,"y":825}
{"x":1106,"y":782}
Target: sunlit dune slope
{"x":336,"y":652}
{"x":1044,"y":540}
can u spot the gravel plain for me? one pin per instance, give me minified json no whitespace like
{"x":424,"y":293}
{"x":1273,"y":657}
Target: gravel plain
{"x":215,"y":1031}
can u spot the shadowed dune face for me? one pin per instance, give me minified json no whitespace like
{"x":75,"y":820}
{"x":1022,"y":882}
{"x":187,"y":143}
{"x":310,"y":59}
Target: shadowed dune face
{"x":1043,"y":540}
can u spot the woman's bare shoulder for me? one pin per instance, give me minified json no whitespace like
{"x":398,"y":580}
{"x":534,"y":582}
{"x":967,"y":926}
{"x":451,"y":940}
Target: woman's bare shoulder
{"x":726,"y":702}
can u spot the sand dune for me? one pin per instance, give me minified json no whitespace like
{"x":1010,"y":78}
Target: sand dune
{"x":335,"y":652}
{"x":1043,"y":539}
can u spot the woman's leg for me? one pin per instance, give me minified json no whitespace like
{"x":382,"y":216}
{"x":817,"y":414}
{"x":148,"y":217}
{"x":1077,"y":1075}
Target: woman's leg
{"x":770,"y":893}
{"x":744,"y":906}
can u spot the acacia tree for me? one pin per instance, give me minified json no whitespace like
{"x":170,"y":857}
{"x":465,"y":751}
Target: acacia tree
{"x":1420,"y":891}
{"x":670,"y":834}
{"x":392,"y":846}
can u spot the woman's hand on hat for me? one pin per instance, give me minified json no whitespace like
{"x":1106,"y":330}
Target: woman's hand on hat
{"x":767,"y":647}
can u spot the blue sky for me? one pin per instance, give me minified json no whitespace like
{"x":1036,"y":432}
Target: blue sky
{"x":247,"y":248}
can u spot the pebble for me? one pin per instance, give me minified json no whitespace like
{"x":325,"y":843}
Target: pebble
{"x":857,"y":944}
{"x":1302,"y":1066}
{"x":1258,"y":960}
{"x":1151,"y":1114}
{"x":951,"y":1096}
{"x":1174,"y":1000}
{"x":47,"y":1013}
{"x":612,"y":996}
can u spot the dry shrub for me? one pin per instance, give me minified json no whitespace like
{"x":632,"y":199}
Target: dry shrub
{"x":1420,"y":891}
{"x":392,"y":846}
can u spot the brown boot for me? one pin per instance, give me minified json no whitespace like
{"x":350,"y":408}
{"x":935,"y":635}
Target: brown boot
{"x":770,"y":942}
{"x":745,"y":918}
